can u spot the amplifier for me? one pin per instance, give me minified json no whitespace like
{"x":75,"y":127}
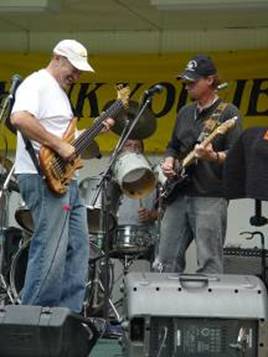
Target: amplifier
{"x":244,"y":261}
{"x":179,"y":315}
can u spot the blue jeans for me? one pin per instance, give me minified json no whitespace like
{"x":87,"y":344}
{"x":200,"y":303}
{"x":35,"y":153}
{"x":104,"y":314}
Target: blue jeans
{"x":57,"y":266}
{"x":203,"y":219}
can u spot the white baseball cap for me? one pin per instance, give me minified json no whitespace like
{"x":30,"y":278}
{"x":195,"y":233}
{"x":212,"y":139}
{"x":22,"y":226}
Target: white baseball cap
{"x":75,"y":52}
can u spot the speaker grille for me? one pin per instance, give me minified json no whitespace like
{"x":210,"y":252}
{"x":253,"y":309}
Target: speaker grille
{"x":202,"y":337}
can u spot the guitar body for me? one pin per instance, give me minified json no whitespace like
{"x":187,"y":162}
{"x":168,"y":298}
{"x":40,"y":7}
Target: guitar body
{"x":173,"y":186}
{"x":58,"y":172}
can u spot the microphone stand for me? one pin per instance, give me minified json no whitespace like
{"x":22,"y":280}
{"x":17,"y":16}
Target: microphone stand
{"x":258,"y":220}
{"x":104,"y":188}
{"x":3,"y":282}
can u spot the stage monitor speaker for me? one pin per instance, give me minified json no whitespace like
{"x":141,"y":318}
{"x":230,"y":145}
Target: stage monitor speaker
{"x":195,"y":315}
{"x":35,"y":331}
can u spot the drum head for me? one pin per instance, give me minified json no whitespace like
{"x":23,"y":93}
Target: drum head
{"x":134,"y":175}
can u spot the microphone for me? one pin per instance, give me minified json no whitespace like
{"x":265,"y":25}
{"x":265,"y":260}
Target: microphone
{"x":222,"y":86}
{"x":15,"y":82}
{"x":158,"y":88}
{"x":9,"y":99}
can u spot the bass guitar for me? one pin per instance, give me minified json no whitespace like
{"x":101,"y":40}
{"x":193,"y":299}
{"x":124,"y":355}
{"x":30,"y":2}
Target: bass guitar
{"x":173,"y":184}
{"x":58,"y":172}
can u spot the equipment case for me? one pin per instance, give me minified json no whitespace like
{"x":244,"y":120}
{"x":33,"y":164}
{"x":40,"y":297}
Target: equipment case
{"x":180,"y":315}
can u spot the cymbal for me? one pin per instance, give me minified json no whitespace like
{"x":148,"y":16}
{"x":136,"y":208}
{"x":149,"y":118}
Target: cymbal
{"x":6,"y":163}
{"x":91,"y":151}
{"x":145,"y":126}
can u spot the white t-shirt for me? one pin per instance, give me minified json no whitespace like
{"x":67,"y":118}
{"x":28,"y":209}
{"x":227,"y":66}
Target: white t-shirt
{"x":41,"y":95}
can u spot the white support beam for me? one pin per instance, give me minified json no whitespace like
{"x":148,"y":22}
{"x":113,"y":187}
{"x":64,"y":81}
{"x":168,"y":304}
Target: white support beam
{"x":179,"y":5}
{"x":18,"y":6}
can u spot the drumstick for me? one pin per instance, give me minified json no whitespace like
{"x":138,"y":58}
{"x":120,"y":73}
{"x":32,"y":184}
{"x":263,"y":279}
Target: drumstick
{"x":141,"y":204}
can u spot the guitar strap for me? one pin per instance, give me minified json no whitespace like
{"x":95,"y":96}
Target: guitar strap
{"x":213,"y":119}
{"x":30,"y":149}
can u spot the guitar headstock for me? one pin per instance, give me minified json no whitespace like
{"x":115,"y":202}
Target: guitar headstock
{"x":123,"y":93}
{"x":225,"y":126}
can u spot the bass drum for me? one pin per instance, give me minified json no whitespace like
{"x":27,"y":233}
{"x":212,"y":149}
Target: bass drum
{"x":94,"y":297}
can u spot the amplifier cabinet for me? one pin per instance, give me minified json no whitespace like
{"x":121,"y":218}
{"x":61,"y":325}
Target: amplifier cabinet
{"x":180,"y":315}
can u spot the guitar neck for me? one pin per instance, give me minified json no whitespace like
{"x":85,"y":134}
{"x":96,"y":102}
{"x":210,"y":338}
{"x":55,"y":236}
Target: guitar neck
{"x":84,"y":140}
{"x":220,"y":130}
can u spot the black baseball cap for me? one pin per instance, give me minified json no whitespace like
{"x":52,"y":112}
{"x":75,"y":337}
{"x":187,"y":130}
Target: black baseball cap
{"x":198,"y":67}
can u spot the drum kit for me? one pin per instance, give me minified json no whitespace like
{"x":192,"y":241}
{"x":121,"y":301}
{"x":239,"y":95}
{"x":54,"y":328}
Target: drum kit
{"x":132,"y":175}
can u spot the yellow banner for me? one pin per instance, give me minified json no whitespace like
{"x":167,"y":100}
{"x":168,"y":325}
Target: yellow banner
{"x":246,"y":73}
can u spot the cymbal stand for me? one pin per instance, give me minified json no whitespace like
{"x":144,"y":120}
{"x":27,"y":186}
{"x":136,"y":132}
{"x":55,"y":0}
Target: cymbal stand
{"x":3,"y":284}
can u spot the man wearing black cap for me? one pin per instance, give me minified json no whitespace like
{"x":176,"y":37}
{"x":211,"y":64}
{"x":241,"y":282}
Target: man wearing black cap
{"x":197,"y":210}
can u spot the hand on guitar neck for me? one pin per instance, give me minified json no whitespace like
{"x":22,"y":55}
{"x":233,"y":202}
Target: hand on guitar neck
{"x":205,"y":152}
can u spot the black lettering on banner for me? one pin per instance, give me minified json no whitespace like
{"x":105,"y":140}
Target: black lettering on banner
{"x":182,"y":98}
{"x":239,"y":90}
{"x":255,"y":94}
{"x":90,"y":95}
{"x":135,"y":89}
{"x":170,"y":99}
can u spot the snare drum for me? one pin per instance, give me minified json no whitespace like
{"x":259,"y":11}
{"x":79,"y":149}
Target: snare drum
{"x":131,"y":239}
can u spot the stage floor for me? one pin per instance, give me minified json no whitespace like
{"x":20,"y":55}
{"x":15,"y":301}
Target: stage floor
{"x":107,"y":347}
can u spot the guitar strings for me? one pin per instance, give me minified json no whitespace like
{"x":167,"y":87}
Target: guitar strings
{"x":83,"y":140}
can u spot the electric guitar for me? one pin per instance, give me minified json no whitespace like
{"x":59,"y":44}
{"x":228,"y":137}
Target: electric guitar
{"x":58,"y":172}
{"x":174,"y":183}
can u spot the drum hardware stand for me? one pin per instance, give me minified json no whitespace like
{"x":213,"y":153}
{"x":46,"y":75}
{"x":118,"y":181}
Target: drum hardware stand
{"x":97,"y":286}
{"x":3,"y":284}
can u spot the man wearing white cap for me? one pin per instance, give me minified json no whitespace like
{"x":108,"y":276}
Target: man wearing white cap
{"x":59,"y":250}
